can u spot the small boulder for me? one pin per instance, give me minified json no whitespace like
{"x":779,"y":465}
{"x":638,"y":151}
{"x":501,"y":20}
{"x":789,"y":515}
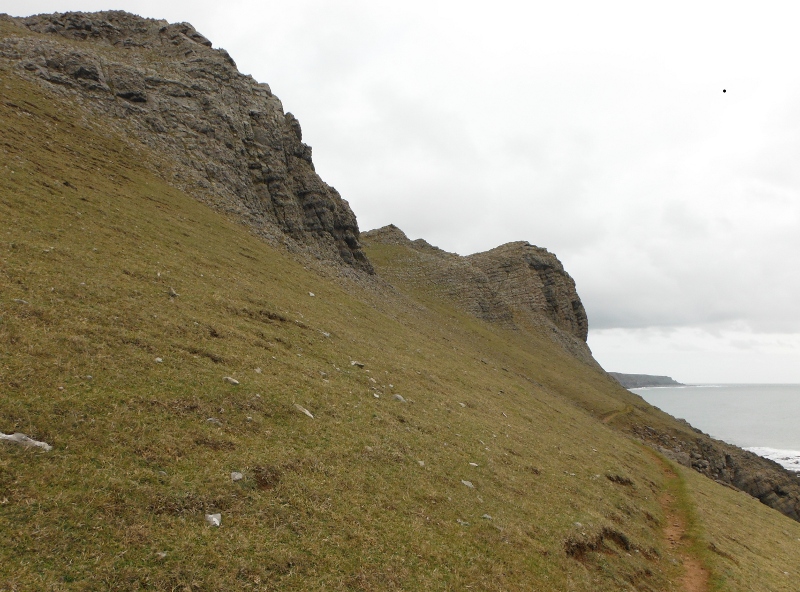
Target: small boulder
{"x":214,"y":519}
{"x":303,"y":410}
{"x":236,"y":476}
{"x":231,"y":380}
{"x":24,"y":440}
{"x":468,"y":484}
{"x":356,"y":363}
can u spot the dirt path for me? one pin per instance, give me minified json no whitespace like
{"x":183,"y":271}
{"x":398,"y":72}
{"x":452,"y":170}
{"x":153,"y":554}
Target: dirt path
{"x":695,"y":576}
{"x":609,"y":417}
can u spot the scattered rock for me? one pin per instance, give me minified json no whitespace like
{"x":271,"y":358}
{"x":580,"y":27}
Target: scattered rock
{"x":159,"y":360}
{"x":399,"y":398}
{"x":311,"y":294}
{"x":472,"y":464}
{"x":486,"y":517}
{"x":463,"y":404}
{"x":258,"y":370}
{"x":173,"y":293}
{"x":161,"y":554}
{"x":302,"y":409}
{"x":421,"y":463}
{"x":468,"y":484}
{"x":214,"y":519}
{"x":376,"y":395}
{"x":24,"y":440}
{"x":214,"y":420}
{"x":231,"y":380}
{"x":462,"y":522}
{"x":20,"y":301}
{"x":356,"y":364}
{"x":236,"y":476}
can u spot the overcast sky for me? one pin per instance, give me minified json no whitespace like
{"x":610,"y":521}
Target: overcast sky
{"x":598,"y":130}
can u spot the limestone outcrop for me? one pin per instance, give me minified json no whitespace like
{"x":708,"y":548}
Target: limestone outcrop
{"x":225,"y":137}
{"x":516,"y":284}
{"x":764,"y":479}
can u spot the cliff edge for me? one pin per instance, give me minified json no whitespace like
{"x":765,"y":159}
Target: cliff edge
{"x":514,"y":285}
{"x":223,"y":136}
{"x":630,"y":381}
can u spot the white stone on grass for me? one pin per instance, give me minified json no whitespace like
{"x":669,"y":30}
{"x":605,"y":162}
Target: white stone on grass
{"x":214,"y":519}
{"x":231,"y":380}
{"x":468,"y":484}
{"x":24,"y":440}
{"x":302,"y":409}
{"x":236,"y":476}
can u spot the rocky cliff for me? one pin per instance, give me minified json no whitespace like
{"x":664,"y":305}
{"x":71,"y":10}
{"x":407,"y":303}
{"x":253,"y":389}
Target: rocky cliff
{"x":764,"y":479}
{"x":223,"y":136}
{"x":516,"y":284}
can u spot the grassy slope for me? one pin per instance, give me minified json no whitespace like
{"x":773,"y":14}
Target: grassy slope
{"x":92,"y":241}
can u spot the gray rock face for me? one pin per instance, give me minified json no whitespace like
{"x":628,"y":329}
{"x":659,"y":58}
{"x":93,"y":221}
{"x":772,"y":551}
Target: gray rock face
{"x":762,"y":478}
{"x":513,"y":284}
{"x":225,"y":137}
{"x":532,"y":281}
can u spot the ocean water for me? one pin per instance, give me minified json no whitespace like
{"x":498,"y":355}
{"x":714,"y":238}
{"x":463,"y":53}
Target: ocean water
{"x":763,"y":418}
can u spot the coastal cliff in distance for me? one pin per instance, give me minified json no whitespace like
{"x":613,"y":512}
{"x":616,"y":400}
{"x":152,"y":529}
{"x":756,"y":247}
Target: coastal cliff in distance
{"x":631,"y":381}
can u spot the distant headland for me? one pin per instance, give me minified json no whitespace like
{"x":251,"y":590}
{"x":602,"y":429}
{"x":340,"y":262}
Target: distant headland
{"x":630,"y":381}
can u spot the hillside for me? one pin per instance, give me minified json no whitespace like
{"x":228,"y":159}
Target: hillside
{"x":445,"y":447}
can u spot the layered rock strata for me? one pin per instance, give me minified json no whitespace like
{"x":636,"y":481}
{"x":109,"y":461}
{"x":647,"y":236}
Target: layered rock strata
{"x":516,"y":284}
{"x":226,"y":136}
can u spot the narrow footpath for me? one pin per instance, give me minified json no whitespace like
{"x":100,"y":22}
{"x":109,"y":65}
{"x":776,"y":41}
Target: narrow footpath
{"x":695,"y":576}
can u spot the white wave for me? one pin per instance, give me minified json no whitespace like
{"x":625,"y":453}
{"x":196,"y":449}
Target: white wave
{"x":789,"y":459}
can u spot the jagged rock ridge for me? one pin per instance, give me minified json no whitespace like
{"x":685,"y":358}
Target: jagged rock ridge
{"x":513,"y":284}
{"x":226,"y":136}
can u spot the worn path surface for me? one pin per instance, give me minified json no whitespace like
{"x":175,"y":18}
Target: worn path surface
{"x":695,"y":576}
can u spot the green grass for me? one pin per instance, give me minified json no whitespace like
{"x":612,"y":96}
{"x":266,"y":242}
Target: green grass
{"x":91,"y":243}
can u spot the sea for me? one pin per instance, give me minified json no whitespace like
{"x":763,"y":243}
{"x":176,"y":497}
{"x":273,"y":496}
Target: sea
{"x":762,"y":418}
